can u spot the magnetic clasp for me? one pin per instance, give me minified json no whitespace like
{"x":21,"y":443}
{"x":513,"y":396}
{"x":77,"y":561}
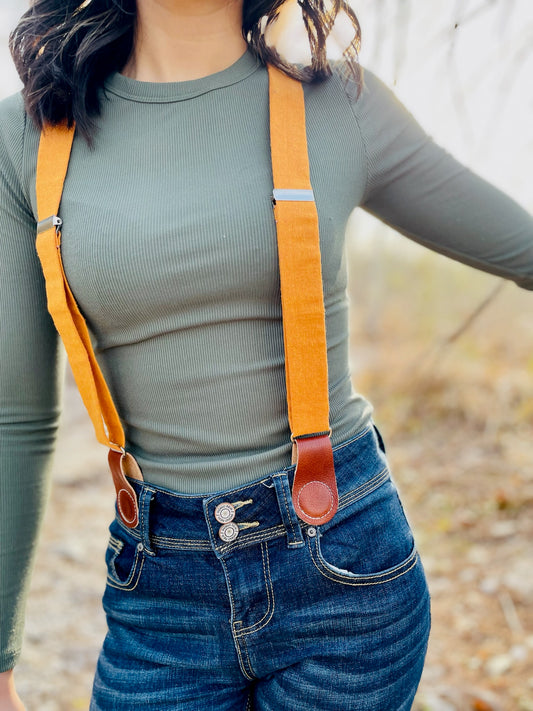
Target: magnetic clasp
{"x":50,"y":223}
{"x":281,"y":194}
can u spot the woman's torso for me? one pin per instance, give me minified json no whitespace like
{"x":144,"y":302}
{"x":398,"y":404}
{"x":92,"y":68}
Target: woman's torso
{"x":169,"y":246}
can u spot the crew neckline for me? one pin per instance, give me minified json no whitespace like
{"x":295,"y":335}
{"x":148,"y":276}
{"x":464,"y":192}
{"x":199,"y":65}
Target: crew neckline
{"x":166,"y":92}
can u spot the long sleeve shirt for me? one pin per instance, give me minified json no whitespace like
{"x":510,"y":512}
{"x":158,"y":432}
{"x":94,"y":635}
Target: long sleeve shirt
{"x":169,"y":246}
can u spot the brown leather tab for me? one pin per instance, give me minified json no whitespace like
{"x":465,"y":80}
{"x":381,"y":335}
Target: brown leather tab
{"x":122,"y":464}
{"x":314,"y":492}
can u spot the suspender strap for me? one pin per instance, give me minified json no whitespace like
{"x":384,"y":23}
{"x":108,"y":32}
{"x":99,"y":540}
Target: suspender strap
{"x":52,"y":164}
{"x":314,"y":490}
{"x":304,"y":330}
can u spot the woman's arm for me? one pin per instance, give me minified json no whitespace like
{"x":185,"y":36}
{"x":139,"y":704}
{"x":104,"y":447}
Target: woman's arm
{"x":30,"y":383}
{"x":9,"y":699}
{"x":423,"y":192}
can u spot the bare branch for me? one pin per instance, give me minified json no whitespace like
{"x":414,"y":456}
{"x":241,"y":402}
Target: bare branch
{"x":485,"y":303}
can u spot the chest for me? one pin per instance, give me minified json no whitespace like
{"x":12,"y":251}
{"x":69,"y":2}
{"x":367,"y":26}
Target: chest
{"x":174,"y":203}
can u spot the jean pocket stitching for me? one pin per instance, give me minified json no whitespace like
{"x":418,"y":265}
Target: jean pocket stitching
{"x":133,"y":578}
{"x":116,"y":544}
{"x":356,"y":579}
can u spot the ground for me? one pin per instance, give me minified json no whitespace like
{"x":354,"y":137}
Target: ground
{"x":457,"y":419}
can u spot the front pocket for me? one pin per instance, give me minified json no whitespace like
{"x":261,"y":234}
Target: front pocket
{"x":347,"y":578}
{"x":125,"y":561}
{"x":367,"y":543}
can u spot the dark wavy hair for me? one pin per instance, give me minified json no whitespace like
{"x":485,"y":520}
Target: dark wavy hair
{"x":65,"y":49}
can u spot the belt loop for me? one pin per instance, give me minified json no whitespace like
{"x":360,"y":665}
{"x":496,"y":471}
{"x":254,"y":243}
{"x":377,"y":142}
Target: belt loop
{"x":288,"y":514}
{"x":145,"y":499}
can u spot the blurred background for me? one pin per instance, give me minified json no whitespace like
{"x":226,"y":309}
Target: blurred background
{"x":443,"y":352}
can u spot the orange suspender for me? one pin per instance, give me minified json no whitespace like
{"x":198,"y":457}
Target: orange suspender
{"x":314,"y":490}
{"x":52,"y":164}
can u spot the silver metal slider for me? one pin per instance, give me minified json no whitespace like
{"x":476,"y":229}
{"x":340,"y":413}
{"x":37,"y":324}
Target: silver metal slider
{"x":283,"y":194}
{"x":49,"y":223}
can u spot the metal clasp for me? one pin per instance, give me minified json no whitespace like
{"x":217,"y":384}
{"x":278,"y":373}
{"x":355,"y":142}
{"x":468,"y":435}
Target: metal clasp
{"x":49,"y":223}
{"x":313,"y":434}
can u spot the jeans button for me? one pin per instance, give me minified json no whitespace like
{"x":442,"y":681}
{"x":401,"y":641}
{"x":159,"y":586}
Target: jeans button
{"x":228,"y":532}
{"x":224,"y":513}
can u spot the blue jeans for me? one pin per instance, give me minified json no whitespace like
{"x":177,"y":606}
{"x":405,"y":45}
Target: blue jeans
{"x":280,"y":615}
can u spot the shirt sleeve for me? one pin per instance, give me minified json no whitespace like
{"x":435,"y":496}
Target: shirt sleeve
{"x":421,"y":191}
{"x":30,"y":383}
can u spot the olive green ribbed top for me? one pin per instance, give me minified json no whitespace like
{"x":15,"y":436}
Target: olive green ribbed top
{"x":169,"y":246}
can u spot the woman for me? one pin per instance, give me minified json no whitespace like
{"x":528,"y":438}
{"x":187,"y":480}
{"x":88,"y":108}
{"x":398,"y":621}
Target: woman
{"x":168,"y":243}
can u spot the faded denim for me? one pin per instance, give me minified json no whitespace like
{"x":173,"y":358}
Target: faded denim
{"x":285,"y":617}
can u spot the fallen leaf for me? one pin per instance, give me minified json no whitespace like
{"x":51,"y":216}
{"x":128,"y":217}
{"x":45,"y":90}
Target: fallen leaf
{"x":480,"y":705}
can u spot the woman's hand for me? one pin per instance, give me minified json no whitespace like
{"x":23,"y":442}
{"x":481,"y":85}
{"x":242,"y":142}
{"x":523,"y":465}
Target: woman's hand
{"x":9,"y":699}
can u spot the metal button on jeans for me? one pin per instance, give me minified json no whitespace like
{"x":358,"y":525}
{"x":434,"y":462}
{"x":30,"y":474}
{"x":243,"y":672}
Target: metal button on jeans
{"x":225,"y":513}
{"x":228,"y":532}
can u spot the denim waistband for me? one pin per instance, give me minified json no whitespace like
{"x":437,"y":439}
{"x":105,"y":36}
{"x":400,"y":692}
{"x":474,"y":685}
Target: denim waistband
{"x":262,"y":509}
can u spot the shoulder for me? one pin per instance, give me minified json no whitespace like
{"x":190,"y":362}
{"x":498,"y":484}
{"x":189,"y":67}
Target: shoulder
{"x":13,"y":120}
{"x":369,"y":97}
{"x":11,"y":107}
{"x":374,"y":107}
{"x":386,"y":125}
{"x":19,"y":140}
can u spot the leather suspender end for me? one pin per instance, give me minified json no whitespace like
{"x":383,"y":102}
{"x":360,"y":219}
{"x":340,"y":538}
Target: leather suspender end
{"x":314,"y":492}
{"x":53,"y":222}
{"x":122,"y":464}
